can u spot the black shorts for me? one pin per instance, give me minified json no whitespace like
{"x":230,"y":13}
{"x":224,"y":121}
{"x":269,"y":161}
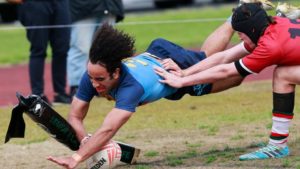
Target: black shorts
{"x":183,"y":58}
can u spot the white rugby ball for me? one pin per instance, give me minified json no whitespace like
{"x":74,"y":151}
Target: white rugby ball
{"x":108,"y":157}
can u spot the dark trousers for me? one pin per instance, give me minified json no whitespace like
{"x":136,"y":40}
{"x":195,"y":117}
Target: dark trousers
{"x":183,"y":58}
{"x":39,"y":13}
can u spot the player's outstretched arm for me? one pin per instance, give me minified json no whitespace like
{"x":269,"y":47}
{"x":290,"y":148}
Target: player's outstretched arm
{"x":112,"y":122}
{"x":226,"y":56}
{"x":211,"y":75}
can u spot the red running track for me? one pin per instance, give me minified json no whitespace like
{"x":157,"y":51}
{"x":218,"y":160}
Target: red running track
{"x":16,"y":78}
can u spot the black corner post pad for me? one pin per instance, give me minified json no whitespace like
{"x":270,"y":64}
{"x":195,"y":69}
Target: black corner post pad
{"x":45,"y":117}
{"x":55,"y":125}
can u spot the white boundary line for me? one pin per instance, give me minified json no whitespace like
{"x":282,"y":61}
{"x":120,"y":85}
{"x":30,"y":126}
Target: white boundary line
{"x":126,"y":23}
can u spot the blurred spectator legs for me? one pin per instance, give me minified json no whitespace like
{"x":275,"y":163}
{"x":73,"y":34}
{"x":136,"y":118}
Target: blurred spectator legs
{"x":82,"y":33}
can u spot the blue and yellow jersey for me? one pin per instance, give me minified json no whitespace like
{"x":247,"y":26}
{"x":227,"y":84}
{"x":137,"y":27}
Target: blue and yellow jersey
{"x":139,"y":83}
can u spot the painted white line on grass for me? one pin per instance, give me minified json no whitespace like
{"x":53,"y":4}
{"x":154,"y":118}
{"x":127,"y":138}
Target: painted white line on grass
{"x":18,"y":26}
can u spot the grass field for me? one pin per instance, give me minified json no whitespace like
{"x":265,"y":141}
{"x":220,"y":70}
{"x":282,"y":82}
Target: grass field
{"x":196,"y":132}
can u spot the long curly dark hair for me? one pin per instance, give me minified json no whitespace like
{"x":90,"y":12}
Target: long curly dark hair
{"x":110,"y":46}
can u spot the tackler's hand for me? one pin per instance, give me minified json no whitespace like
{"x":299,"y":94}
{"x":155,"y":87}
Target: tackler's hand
{"x":172,"y":67}
{"x":168,"y":78}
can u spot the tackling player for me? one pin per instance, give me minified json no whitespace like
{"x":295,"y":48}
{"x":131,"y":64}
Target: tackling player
{"x":276,"y":42}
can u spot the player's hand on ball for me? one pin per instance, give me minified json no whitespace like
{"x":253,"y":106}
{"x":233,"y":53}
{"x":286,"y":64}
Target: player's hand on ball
{"x":168,"y":78}
{"x":172,"y":67}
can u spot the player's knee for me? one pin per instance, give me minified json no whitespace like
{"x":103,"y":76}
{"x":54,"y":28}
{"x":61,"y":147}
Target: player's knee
{"x":280,"y":73}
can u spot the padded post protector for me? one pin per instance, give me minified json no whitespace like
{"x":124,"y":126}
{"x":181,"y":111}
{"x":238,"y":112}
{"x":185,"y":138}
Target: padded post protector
{"x":54,"y":124}
{"x":47,"y":118}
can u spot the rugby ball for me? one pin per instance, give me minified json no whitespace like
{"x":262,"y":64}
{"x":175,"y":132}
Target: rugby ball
{"x":108,"y":157}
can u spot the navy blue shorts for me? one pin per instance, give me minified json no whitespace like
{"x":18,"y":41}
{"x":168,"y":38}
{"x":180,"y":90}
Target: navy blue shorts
{"x":183,"y":58}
